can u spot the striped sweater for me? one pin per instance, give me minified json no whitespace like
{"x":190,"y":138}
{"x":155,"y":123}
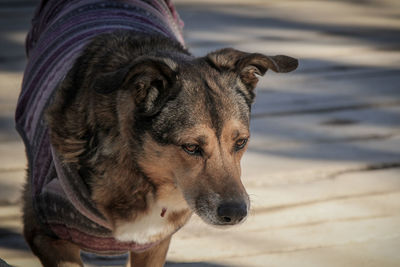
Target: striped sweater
{"x":60,"y":30}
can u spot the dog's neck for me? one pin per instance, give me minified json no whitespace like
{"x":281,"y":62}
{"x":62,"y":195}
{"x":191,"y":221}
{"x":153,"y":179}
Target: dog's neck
{"x":165,"y":215}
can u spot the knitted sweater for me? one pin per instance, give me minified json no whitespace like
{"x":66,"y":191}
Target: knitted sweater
{"x":60,"y":30}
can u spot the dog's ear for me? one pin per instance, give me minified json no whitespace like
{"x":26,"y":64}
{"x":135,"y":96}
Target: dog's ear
{"x":248,"y":65}
{"x":150,"y":80}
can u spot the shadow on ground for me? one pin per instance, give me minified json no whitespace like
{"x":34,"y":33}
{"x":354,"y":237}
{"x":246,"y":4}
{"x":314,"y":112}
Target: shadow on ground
{"x":220,"y":18}
{"x":12,"y":240}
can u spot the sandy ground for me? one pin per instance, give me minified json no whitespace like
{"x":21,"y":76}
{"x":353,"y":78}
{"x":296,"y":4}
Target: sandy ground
{"x":323,"y":167}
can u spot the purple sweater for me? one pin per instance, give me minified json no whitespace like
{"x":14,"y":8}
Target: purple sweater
{"x":60,"y":30}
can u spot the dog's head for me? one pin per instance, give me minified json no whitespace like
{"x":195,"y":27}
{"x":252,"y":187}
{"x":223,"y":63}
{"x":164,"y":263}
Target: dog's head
{"x":196,"y":115}
{"x":184,"y":122}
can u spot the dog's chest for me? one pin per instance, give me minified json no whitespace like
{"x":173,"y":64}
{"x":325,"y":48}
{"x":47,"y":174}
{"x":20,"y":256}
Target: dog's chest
{"x":165,"y":216}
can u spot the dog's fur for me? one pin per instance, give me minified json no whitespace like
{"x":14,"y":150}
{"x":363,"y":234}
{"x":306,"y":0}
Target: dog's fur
{"x":156,"y":134}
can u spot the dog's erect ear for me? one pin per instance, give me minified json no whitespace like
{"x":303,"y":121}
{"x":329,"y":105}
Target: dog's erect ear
{"x":247,"y":65}
{"x":150,"y":80}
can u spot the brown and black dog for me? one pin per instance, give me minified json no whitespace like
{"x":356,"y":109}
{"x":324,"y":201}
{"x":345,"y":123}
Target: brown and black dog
{"x":156,"y":134}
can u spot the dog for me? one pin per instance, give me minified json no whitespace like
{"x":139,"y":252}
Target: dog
{"x":127,"y":133}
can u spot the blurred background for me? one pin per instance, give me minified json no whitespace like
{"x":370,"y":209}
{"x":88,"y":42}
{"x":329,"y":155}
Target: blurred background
{"x":323,"y":167}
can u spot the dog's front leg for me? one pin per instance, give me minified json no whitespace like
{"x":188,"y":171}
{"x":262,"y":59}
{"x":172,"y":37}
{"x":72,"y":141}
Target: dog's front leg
{"x":50,"y":251}
{"x":154,"y":257}
{"x":56,"y":253}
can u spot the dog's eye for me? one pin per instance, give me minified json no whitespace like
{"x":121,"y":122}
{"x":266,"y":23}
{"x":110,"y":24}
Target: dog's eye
{"x":192,"y":149}
{"x":240,"y":143}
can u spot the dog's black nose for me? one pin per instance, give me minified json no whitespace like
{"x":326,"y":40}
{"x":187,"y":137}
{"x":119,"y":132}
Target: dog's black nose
{"x":232,"y":212}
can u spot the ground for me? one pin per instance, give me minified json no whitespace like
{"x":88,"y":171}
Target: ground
{"x":323,"y":167}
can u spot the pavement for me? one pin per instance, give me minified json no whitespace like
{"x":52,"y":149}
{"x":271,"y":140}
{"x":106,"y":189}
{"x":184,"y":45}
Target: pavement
{"x":323,"y":166}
